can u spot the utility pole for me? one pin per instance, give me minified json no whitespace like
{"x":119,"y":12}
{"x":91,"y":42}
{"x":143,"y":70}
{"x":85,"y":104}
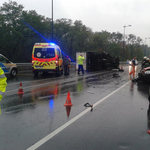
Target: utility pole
{"x":52,"y":20}
{"x":124,"y":42}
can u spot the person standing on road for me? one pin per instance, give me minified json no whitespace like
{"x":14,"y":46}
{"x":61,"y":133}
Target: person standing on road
{"x":66,"y":63}
{"x":3,"y":82}
{"x":147,"y":64}
{"x":80,"y":64}
{"x":143,"y":62}
{"x":133,"y":64}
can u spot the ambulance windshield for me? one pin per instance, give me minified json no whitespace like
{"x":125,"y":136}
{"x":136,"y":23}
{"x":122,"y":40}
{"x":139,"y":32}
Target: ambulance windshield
{"x":44,"y":52}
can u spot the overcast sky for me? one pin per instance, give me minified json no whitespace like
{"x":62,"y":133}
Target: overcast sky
{"x":110,"y":15}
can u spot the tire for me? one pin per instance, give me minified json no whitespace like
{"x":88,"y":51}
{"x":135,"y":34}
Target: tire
{"x":149,"y":93}
{"x":35,"y":73}
{"x":13,"y":72}
{"x":61,"y":71}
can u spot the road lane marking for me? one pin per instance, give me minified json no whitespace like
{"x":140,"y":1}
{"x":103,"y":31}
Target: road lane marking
{"x":49,"y":136}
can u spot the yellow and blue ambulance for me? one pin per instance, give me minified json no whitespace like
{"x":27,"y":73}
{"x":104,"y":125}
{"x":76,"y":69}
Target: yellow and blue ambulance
{"x":7,"y":66}
{"x":47,"y":57}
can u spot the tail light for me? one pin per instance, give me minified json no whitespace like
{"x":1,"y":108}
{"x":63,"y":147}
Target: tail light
{"x":56,"y":62}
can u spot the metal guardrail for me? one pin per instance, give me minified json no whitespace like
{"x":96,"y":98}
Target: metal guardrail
{"x":28,"y":66}
{"x":72,"y":63}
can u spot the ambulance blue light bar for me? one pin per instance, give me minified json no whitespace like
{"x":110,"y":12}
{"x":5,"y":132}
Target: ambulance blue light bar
{"x":52,"y":44}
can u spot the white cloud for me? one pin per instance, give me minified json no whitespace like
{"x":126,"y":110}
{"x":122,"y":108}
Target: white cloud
{"x":110,"y":15}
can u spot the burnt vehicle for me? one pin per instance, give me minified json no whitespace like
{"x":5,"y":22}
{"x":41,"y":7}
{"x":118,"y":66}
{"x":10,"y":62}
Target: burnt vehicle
{"x":144,"y":75}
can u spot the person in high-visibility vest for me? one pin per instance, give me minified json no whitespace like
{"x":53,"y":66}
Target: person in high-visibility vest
{"x":133,"y":64}
{"x":80,"y":64}
{"x":3,"y":82}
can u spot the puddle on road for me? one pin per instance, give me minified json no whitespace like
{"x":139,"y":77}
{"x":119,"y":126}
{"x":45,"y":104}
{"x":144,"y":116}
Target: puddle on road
{"x":50,"y":93}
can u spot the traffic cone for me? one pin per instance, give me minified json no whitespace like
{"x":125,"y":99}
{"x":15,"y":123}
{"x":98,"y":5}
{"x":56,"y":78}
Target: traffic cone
{"x":68,"y":100}
{"x":68,"y":110}
{"x":148,"y":131}
{"x":20,"y":91}
{"x":121,"y":68}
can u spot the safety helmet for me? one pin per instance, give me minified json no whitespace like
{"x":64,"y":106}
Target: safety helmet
{"x":147,"y":58}
{"x":144,"y":57}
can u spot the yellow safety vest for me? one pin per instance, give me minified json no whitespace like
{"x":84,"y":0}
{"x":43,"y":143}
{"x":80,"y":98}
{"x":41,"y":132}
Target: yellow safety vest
{"x":80,"y":60}
{"x":3,"y":83}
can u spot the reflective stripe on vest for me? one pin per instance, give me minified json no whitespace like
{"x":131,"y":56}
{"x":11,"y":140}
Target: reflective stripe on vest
{"x":2,"y":76}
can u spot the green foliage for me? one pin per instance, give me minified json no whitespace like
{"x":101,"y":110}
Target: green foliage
{"x":20,"y":29}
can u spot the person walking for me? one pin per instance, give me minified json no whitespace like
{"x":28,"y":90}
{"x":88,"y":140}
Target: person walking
{"x":133,"y":64}
{"x":80,"y":64}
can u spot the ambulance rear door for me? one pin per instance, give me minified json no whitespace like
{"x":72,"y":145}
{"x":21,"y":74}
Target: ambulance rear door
{"x":45,"y":58}
{"x":60,"y":60}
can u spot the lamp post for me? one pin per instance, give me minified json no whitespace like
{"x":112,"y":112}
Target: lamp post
{"x":124,"y":41}
{"x":52,"y":20}
{"x":145,"y":45}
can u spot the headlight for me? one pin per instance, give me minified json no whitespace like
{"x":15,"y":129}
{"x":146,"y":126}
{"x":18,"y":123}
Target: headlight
{"x":147,"y":72}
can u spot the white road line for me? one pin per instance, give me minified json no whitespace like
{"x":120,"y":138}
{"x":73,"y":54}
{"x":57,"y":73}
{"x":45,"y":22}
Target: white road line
{"x":49,"y":136}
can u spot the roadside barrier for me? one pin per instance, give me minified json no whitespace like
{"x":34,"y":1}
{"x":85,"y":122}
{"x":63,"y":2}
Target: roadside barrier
{"x":28,"y":66}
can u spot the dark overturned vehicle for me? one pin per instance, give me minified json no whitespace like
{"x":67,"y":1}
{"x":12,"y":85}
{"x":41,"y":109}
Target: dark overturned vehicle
{"x":96,"y":61}
{"x":144,"y":75}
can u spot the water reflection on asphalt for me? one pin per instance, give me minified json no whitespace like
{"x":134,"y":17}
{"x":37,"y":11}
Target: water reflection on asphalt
{"x":15,"y":103}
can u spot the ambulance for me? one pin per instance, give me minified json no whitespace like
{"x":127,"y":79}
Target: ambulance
{"x":7,"y":66}
{"x":47,"y":58}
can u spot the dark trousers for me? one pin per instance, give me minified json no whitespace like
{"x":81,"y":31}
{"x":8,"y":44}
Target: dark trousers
{"x":66,"y":70}
{"x":80,"y":67}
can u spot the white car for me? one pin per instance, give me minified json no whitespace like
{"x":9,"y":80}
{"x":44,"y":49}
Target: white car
{"x":8,"y":67}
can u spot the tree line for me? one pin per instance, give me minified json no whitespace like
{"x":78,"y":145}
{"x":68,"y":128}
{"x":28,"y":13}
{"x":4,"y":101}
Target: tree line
{"x":21,"y":29}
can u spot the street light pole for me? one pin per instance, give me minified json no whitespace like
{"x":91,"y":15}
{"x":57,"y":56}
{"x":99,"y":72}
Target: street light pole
{"x":52,"y":20}
{"x":124,"y":41}
{"x":145,"y":44}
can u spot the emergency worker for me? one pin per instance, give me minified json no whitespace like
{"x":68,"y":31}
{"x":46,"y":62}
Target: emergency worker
{"x":66,"y":63}
{"x":143,"y":62}
{"x":146,"y":63}
{"x":80,"y":64}
{"x":3,"y":82}
{"x":133,"y":64}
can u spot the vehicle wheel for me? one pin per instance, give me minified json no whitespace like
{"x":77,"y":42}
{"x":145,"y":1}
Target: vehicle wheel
{"x":61,"y":71}
{"x":149,"y":93}
{"x":13,"y":72}
{"x":35,"y":73}
{"x":57,"y":73}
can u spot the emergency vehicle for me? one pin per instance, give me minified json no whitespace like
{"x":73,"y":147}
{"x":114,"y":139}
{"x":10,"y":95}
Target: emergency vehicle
{"x":47,"y":57}
{"x":7,"y":66}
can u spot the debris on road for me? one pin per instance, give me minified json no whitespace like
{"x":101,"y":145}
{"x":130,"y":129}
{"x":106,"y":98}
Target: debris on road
{"x":90,"y":92}
{"x":88,"y":105}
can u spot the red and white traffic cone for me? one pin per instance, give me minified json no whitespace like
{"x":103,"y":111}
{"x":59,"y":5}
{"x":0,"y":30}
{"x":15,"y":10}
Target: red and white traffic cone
{"x":20,"y":91}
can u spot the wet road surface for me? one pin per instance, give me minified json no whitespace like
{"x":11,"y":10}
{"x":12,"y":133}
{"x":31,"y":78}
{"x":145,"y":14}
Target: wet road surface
{"x":119,"y":118}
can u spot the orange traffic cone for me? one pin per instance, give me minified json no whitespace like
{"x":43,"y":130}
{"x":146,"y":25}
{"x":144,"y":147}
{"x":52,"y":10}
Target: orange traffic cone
{"x":20,"y":91}
{"x":68,"y":110}
{"x":148,"y":131}
{"x":68,"y":100}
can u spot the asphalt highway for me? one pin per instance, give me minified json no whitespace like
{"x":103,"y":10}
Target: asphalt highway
{"x":118,"y":119}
